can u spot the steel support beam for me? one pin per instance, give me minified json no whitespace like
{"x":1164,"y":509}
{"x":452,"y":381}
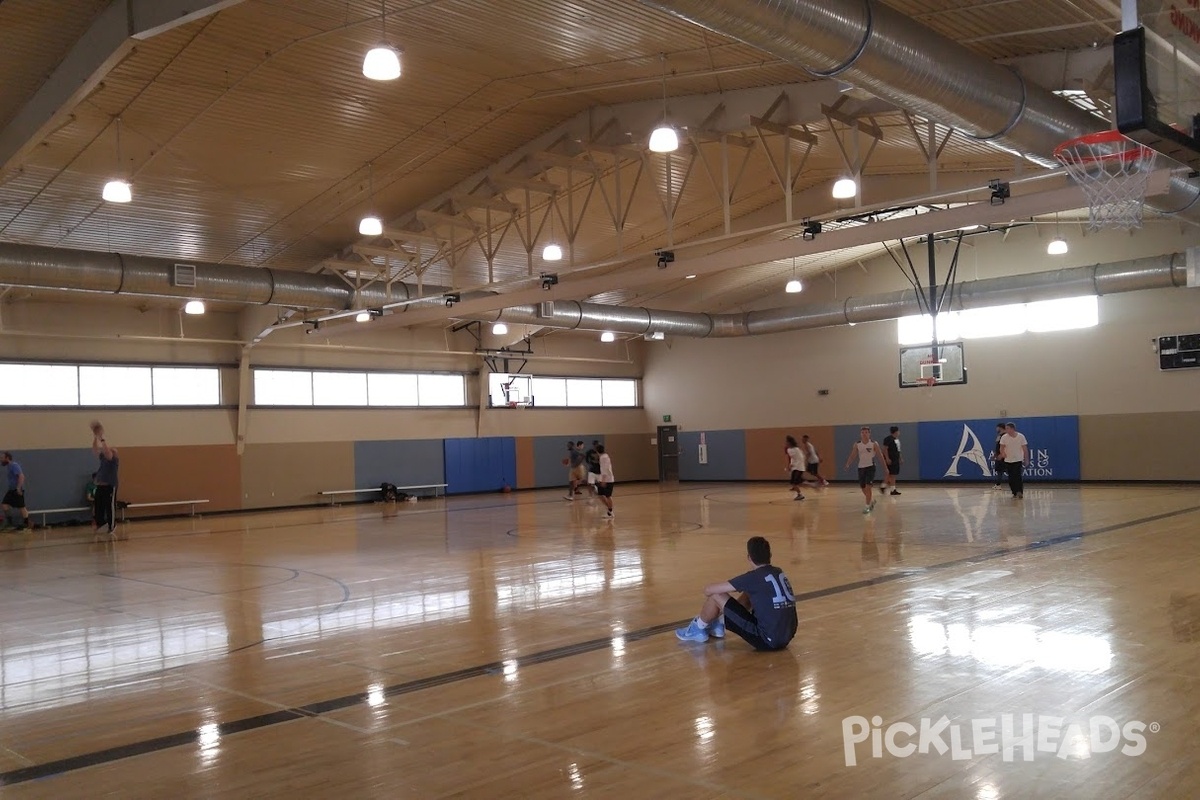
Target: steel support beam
{"x":111,"y":37}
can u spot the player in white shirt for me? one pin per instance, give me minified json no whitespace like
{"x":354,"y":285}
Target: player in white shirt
{"x":604,"y":484}
{"x":866,"y":451}
{"x":796,"y":462}
{"x":1014,"y":451}
{"x":814,"y":460}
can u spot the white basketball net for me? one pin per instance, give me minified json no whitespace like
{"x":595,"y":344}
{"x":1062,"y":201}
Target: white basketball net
{"x":1113,"y":172}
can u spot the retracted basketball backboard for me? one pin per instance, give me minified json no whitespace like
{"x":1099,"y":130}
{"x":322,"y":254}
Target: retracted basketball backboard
{"x":922,"y":366}
{"x":1156,"y":71}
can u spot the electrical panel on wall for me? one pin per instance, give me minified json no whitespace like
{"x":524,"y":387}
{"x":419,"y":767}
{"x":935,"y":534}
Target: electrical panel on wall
{"x":1179,"y":352}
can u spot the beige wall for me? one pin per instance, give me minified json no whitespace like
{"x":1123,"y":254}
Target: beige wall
{"x":1149,"y":447}
{"x":634,"y":457}
{"x":292,"y":474}
{"x":772,"y":381}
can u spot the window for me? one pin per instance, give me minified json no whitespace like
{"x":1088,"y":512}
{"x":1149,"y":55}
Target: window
{"x":58,"y":385}
{"x":565,"y":392}
{"x":39,"y":385}
{"x":980,"y":323}
{"x":549,"y":392}
{"x":618,"y":393}
{"x":441,"y":390}
{"x":584,"y":392}
{"x":186,"y":386}
{"x":115,"y":386}
{"x":391,"y":389}
{"x":1063,"y":315}
{"x":339,"y":388}
{"x":277,"y":387}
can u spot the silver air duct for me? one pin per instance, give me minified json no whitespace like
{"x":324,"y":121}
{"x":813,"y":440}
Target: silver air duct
{"x":112,"y":273}
{"x":1130,"y":276}
{"x":78,"y":270}
{"x":874,"y":47}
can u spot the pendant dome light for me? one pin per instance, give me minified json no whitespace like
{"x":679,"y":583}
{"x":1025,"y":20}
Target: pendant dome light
{"x":845,"y":188}
{"x":794,"y":286}
{"x":552,"y":251}
{"x":1058,"y":245}
{"x":499,"y":329}
{"x":117,"y":190}
{"x":370,"y":225}
{"x":382,"y":63}
{"x":664,"y":138}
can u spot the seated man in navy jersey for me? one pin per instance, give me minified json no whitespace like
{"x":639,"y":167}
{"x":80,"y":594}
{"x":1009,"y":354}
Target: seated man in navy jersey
{"x":764,"y":614}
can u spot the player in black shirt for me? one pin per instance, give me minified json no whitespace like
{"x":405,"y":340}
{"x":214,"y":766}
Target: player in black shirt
{"x":1000,"y":467}
{"x":891,"y":447}
{"x":764,"y":614}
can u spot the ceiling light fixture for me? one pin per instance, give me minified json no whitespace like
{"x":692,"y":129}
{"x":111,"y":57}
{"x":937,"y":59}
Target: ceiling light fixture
{"x":363,"y":316}
{"x":608,"y":336}
{"x":117,"y":190}
{"x":370,"y":225}
{"x":382,"y":63}
{"x":1058,"y":245}
{"x":552,"y":252}
{"x":664,"y":138}
{"x":794,"y":286}
{"x":845,"y":188}
{"x":499,"y":328}
{"x":194,"y":307}
{"x":689,"y":277}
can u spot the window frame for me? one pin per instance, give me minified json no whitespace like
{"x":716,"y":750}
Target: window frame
{"x":367,"y":406}
{"x":78,"y":404}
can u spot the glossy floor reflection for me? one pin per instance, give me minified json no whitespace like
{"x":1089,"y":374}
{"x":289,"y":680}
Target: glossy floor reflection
{"x":521,"y":646}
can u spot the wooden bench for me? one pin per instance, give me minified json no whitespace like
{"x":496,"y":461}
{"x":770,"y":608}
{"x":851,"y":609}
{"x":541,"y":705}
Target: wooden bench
{"x":46,"y":512}
{"x":333,"y":494}
{"x":164,"y":504}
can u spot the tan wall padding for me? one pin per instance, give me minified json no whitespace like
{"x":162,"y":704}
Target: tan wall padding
{"x":634,"y":458}
{"x":1140,"y":447}
{"x":292,"y":474}
{"x":525,"y":472}
{"x":190,"y":472}
{"x":765,"y":459}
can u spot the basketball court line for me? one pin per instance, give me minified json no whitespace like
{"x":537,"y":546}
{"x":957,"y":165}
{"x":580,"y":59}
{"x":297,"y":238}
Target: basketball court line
{"x":318,"y":708}
{"x":84,"y":538}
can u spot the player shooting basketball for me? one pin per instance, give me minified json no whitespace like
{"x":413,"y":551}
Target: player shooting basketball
{"x":104,"y":503}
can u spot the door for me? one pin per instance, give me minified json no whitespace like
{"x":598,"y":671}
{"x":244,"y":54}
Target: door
{"x":668,"y":452}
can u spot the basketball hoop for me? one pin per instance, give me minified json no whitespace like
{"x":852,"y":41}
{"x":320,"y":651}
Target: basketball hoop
{"x":1113,"y":172}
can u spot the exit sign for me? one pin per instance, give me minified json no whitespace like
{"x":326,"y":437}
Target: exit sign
{"x":666,"y":417}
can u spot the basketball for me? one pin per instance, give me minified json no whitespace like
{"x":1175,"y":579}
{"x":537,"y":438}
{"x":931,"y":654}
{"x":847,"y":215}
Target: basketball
{"x":566,"y":461}
{"x":96,"y":427}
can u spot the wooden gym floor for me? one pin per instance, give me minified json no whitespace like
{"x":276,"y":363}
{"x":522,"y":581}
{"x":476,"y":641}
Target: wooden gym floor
{"x":521,"y":646}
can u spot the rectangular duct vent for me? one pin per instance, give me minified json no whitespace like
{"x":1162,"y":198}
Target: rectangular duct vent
{"x":546,"y":309}
{"x":184,"y":276}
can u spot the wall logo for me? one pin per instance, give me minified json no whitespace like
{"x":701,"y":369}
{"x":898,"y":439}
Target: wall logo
{"x":963,"y":450}
{"x":1005,"y":734}
{"x":970,"y":449}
